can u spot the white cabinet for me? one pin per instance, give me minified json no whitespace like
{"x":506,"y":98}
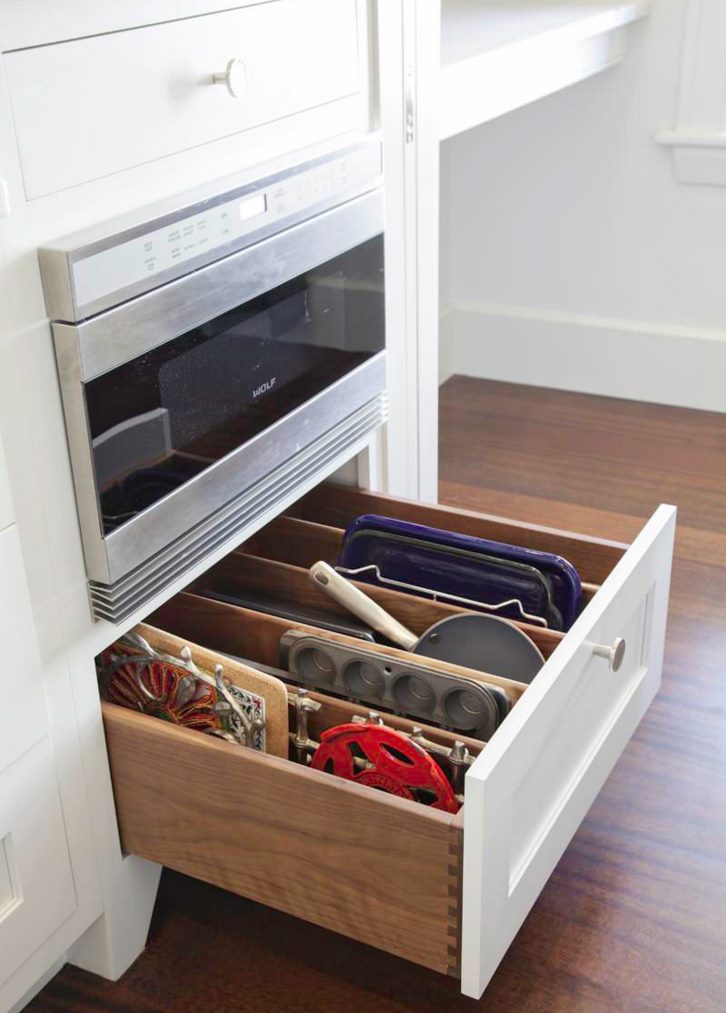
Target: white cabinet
{"x":467,"y":62}
{"x":103,"y":111}
{"x":499,"y":57}
{"x":36,"y":883}
{"x":90,"y":107}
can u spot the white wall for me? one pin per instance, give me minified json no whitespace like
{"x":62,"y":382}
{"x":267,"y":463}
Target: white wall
{"x":571,"y":255}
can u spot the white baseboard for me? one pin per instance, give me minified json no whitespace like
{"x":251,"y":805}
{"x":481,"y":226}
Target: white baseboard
{"x":595,"y":355}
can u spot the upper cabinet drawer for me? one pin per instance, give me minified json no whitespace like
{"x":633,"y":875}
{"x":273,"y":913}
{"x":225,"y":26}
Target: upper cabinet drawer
{"x":94,"y":106}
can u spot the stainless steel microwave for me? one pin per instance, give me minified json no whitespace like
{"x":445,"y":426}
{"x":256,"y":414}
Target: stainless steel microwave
{"x":211,"y":357}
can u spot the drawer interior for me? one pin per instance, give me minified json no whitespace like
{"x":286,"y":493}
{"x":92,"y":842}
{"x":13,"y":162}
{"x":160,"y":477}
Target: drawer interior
{"x":381,"y":869}
{"x":277,"y":560}
{"x":245,"y":633}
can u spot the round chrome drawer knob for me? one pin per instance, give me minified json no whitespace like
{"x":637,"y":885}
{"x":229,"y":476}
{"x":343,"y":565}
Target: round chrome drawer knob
{"x":613,"y":654}
{"x":234,"y":77}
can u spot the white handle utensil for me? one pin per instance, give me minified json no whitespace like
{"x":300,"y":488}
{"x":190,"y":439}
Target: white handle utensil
{"x":352,"y":598}
{"x":475,"y":640}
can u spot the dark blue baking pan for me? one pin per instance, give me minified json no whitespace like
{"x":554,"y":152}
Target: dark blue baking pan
{"x":512,"y":581}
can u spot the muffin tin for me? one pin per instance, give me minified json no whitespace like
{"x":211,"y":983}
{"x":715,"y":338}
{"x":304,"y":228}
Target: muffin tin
{"x":414,"y":690}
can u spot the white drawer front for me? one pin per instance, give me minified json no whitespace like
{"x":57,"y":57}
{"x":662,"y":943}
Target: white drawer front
{"x":36,"y":883}
{"x":531,"y":787}
{"x":91,"y":107}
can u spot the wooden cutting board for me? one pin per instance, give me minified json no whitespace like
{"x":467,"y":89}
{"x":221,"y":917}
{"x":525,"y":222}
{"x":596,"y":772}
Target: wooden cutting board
{"x":271,"y":689}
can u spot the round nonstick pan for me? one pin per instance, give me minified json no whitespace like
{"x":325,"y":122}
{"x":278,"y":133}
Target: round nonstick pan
{"x":472,"y":639}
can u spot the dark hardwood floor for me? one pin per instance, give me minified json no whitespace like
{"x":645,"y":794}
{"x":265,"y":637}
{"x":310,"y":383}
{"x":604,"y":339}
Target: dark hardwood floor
{"x":634,"y":916}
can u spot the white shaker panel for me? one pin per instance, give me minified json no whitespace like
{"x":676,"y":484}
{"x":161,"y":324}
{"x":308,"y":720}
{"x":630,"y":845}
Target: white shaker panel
{"x":36,"y":883}
{"x":90,"y":107}
{"x":529,"y":790}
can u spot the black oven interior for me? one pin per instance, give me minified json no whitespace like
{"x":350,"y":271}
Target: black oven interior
{"x":162,"y":418}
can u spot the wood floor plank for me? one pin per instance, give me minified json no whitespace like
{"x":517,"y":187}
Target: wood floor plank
{"x":593,"y":452}
{"x":634,"y":916}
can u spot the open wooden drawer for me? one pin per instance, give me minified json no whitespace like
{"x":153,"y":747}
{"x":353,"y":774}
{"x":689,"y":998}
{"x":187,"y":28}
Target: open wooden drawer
{"x":449,"y":892}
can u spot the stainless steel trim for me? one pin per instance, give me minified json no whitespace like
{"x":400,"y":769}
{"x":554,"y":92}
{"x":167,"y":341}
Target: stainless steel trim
{"x":135,"y":327}
{"x":338,"y":440}
{"x":111,"y":558}
{"x":57,"y":258}
{"x":225,"y":522}
{"x":118,"y":601}
{"x":55,"y":271}
{"x":78,"y":434}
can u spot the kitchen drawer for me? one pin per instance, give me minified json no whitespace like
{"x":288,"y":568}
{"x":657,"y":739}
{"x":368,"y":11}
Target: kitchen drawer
{"x":153,"y":92}
{"x":449,"y":892}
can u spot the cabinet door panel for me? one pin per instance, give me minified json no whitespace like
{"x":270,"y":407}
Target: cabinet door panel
{"x":36,"y":883}
{"x":151,"y":90}
{"x":528,"y":792}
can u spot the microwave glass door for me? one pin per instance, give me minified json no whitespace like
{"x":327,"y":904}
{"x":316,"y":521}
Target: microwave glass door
{"x":162,"y":418}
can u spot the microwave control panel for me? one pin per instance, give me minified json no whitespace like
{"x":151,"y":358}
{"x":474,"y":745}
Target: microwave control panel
{"x":103,"y":273}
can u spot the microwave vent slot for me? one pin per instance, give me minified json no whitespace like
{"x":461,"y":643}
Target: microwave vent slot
{"x":116,"y":602}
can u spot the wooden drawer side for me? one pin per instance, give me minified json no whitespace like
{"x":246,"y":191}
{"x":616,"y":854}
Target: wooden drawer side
{"x":338,"y":505}
{"x":362,"y":863}
{"x":247,"y":634}
{"x":294,"y":541}
{"x":244,"y":573}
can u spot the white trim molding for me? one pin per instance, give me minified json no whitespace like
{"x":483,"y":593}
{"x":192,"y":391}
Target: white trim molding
{"x":660,"y":363}
{"x":698,"y":140}
{"x":497,"y":57}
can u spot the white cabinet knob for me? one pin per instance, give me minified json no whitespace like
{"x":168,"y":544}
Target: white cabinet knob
{"x":234,"y":77}
{"x":613,"y":654}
